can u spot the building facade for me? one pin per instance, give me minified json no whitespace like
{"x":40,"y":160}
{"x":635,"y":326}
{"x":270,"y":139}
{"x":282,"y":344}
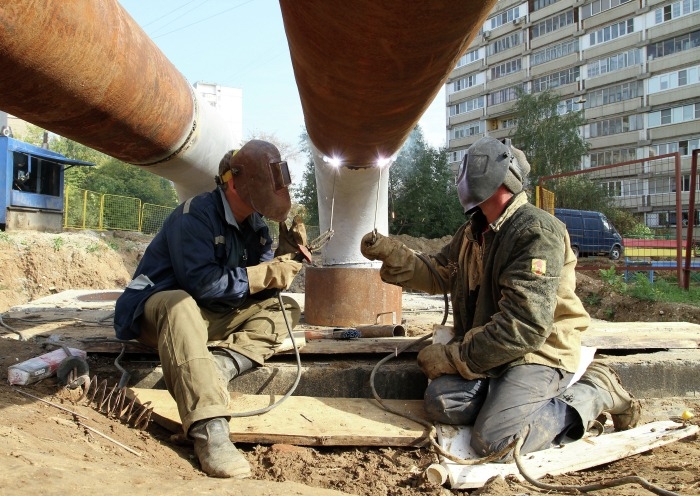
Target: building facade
{"x":631,"y":66}
{"x":229,"y":102}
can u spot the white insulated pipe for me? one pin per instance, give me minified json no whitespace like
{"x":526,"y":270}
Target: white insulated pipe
{"x":193,"y":167}
{"x":353,"y":202}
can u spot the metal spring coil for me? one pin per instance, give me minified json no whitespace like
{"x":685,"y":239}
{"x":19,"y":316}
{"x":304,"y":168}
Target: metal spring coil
{"x":115,"y":404}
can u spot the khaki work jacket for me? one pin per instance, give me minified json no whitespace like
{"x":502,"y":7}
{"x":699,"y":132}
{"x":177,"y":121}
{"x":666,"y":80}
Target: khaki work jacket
{"x":512,"y":289}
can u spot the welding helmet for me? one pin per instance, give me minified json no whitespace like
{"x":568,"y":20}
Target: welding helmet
{"x":260,"y":177}
{"x":488,"y":163}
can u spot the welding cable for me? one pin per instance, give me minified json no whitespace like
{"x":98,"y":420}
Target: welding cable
{"x":296,"y":381}
{"x":3,"y":324}
{"x":572,"y":489}
{"x":432,"y":431}
{"x":99,"y":323}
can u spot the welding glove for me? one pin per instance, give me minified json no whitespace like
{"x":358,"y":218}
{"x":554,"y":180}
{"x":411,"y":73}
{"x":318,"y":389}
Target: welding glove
{"x":398,"y":259}
{"x":277,"y":273}
{"x":444,"y":359}
{"x":291,"y":238}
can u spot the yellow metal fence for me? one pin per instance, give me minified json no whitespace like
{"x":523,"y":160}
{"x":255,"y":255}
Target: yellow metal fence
{"x":85,"y":209}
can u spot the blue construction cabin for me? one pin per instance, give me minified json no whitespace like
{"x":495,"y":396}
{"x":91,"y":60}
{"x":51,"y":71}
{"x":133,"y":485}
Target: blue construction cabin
{"x":32,"y":186}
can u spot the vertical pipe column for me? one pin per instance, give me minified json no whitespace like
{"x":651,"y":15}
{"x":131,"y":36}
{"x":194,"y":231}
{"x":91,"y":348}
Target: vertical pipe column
{"x":347,"y":290}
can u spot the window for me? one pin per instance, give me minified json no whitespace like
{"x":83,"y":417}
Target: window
{"x":685,"y":147}
{"x":554,"y":52}
{"x":615,"y":125}
{"x":611,"y":32}
{"x":659,"y":185}
{"x":675,"y":10}
{"x":614,"y":156}
{"x":467,"y":129}
{"x":598,"y":6}
{"x":614,"y":62}
{"x":632,"y":187}
{"x":463,"y":83}
{"x":614,"y":187}
{"x":685,"y":183}
{"x":508,"y":67}
{"x":552,"y":24}
{"x":468,"y":58}
{"x":510,"y":41}
{"x":34,"y":174}
{"x":674,"y":115}
{"x":673,"y":80}
{"x":673,"y":45}
{"x":457,"y":155}
{"x":468,"y":106}
{"x":503,"y":17}
{"x":502,"y":96}
{"x":554,"y":80}
{"x":509,"y":123}
{"x":541,"y":4}
{"x":613,"y":94}
{"x":568,"y":105}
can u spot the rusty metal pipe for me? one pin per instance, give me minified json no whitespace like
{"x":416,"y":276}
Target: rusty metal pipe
{"x":85,"y":70}
{"x":367,"y":70}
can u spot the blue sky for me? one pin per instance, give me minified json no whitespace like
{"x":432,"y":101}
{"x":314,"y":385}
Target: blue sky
{"x":242,"y":44}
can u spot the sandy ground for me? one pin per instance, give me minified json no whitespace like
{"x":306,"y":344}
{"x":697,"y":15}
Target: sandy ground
{"x":47,"y":450}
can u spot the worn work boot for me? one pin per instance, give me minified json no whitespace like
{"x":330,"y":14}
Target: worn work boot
{"x":624,"y":409}
{"x":217,"y":455}
{"x":231,"y":363}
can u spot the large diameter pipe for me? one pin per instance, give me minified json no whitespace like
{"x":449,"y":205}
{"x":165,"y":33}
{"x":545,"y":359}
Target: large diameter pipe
{"x":367,"y":70}
{"x":85,"y":70}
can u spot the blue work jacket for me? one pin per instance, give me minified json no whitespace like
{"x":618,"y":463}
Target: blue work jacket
{"x":202,"y":250}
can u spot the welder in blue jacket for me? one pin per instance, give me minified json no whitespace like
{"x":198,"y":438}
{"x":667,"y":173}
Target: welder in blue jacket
{"x":205,"y":295}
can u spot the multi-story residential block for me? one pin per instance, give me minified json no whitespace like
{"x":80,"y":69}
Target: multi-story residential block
{"x":631,"y":66}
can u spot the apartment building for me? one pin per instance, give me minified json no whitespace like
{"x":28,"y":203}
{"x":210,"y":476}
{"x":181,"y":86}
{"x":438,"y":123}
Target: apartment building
{"x":631,"y":66}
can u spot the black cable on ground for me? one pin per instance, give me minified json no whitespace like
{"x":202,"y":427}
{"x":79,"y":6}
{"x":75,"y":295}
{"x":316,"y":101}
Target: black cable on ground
{"x":630,"y":479}
{"x":296,"y":382}
{"x":3,"y":324}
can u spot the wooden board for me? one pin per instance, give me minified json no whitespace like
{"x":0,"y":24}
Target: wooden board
{"x":306,"y":421}
{"x":640,"y":335}
{"x":600,"y":335}
{"x":579,"y":455}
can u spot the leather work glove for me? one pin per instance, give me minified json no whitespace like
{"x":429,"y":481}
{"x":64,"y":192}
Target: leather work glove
{"x":278,"y":273}
{"x":398,"y":259}
{"x":444,"y":359}
{"x":387,"y":249}
{"x":291,"y":238}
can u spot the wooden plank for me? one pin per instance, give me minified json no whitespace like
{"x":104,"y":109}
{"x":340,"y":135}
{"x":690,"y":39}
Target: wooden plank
{"x":640,"y":335}
{"x":603,"y":336}
{"x":579,"y":455}
{"x":306,"y":421}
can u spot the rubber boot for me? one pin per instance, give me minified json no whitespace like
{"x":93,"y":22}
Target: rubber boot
{"x":600,"y":391}
{"x":217,"y":455}
{"x":231,"y":363}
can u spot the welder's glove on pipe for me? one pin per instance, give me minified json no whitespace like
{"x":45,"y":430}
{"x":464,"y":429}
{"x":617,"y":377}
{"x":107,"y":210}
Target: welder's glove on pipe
{"x":275,"y":274}
{"x":291,"y":238}
{"x":398,"y":259}
{"x":436,"y":360}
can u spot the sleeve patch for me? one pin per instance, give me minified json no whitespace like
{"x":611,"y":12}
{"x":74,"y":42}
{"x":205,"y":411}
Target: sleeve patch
{"x":539,"y":266}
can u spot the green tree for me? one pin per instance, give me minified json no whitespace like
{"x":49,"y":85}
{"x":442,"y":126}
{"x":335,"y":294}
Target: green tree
{"x":551,"y":140}
{"x":422,"y":195}
{"x":306,"y":194}
{"x":118,"y":178}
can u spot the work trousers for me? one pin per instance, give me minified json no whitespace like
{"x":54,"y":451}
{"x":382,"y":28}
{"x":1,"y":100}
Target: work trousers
{"x":181,"y":330}
{"x":500,"y":409}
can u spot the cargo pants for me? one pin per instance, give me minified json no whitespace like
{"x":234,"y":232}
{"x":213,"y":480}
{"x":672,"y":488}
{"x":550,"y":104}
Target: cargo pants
{"x":182,"y":331}
{"x":499,"y":409}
